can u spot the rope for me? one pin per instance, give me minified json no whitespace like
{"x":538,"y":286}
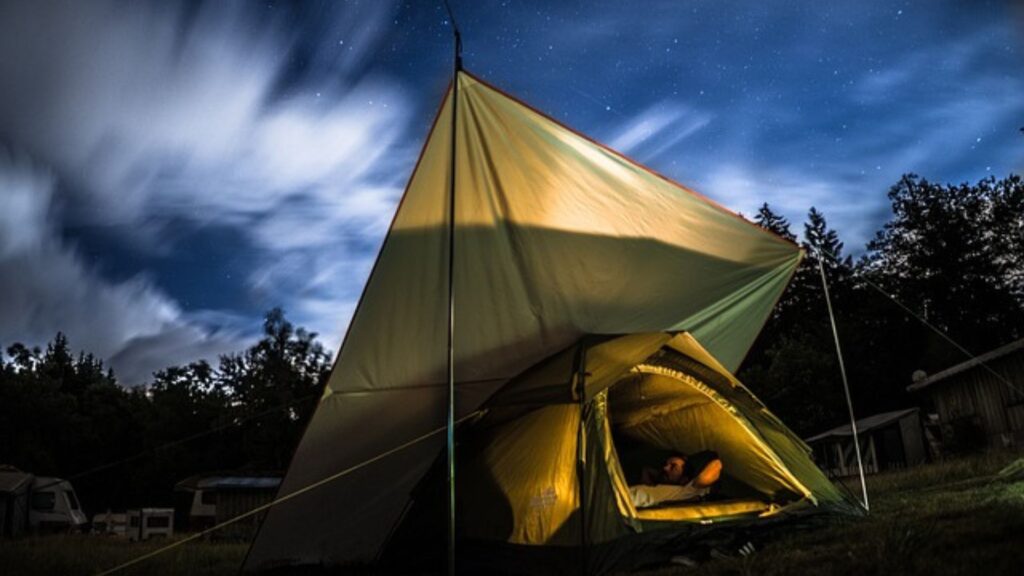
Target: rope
{"x":924,"y":321}
{"x":846,"y":385}
{"x":181,"y":441}
{"x":280,"y":500}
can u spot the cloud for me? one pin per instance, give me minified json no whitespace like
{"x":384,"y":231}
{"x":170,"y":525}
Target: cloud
{"x":175,"y":344}
{"x":657,"y":129}
{"x":745,"y":188}
{"x":24,"y":206}
{"x":946,"y":110}
{"x":145,"y":114}
{"x":148,"y":111}
{"x":47,"y":287}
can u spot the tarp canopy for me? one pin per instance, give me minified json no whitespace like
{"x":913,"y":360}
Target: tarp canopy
{"x":556,"y":237}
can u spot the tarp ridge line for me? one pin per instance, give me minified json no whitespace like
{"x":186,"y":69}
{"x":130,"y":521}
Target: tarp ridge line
{"x":631,"y":161}
{"x":931,"y":326}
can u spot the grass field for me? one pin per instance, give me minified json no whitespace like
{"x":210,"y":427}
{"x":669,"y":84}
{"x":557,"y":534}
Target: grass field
{"x":950,"y":518}
{"x":954,"y":517}
{"x":88,"y":555}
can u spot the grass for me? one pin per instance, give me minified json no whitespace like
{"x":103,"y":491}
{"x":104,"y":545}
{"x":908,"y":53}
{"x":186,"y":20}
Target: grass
{"x":82,"y":555}
{"x":948,"y":518}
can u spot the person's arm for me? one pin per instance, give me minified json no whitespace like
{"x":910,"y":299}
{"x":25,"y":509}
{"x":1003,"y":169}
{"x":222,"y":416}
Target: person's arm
{"x":709,"y":475}
{"x":649,"y":476}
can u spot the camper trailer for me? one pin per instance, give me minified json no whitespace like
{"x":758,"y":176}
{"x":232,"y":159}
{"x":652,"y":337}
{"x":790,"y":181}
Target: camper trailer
{"x":54,"y":506}
{"x":145,"y":523}
{"x":110,"y":524}
{"x":37,"y":504}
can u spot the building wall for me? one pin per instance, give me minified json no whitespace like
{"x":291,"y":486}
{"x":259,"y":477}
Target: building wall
{"x":234,"y":503}
{"x":898,"y":444}
{"x":979,"y":395}
{"x":913,"y":439}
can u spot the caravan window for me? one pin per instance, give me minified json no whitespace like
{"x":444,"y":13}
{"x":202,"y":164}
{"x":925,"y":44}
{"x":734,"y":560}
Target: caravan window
{"x":44,"y":500}
{"x":72,"y":500}
{"x":158,"y":521}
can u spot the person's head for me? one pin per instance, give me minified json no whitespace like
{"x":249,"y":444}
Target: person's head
{"x":673,"y":468}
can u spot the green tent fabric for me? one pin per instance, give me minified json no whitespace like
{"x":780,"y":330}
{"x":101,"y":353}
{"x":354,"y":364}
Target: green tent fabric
{"x":557,"y":239}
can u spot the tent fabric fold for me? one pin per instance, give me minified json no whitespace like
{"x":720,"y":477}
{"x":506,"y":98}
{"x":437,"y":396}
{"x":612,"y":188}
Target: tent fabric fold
{"x":557,"y":239}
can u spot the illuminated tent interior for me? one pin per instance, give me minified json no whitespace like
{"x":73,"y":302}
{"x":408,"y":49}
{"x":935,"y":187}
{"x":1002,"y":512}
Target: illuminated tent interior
{"x":577,"y":273}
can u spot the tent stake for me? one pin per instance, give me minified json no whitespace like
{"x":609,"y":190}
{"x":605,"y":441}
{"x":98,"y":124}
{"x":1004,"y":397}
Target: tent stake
{"x":450,"y":424}
{"x":846,"y":384}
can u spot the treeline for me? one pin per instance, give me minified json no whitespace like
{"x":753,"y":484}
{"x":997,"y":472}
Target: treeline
{"x":952,"y":255}
{"x":67,"y":416}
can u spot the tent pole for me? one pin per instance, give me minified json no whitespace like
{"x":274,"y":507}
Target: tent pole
{"x":450,"y":424}
{"x":846,"y":384}
{"x":581,"y":454}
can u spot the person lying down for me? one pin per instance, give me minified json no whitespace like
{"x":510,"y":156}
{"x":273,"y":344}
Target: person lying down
{"x":681,"y":479}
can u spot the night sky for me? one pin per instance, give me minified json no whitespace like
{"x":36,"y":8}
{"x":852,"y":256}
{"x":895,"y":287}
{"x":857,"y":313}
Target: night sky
{"x":170,"y":171}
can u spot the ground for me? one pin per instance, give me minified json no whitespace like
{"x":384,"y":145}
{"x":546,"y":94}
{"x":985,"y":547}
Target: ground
{"x":953,"y":517}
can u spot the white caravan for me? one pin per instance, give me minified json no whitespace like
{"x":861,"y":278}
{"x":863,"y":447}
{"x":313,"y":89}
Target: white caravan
{"x":54,"y":507}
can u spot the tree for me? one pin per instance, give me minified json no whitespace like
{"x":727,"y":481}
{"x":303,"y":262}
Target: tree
{"x":941,"y":256}
{"x":275,"y":383}
{"x":769,"y":220}
{"x":63,"y":415}
{"x":792,"y":365}
{"x":1007,"y":232}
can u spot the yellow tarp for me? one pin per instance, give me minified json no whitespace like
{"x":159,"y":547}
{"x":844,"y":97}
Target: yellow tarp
{"x":556,"y":237}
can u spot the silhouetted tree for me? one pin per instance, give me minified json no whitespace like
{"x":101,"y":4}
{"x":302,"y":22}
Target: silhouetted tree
{"x":940,"y":255}
{"x":792,"y":365}
{"x":766,"y":218}
{"x":286,"y":369}
{"x":61,"y":415}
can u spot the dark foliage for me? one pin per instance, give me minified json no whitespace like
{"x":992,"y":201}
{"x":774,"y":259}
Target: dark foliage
{"x":68,"y":417}
{"x":952,"y":255}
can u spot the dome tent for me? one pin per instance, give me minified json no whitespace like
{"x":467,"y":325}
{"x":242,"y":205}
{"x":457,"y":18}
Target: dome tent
{"x":560,"y":242}
{"x":542,"y":489}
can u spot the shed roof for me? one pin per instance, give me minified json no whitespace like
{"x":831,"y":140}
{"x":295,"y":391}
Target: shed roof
{"x":864,"y":425}
{"x":230,"y":483}
{"x":969,"y":364}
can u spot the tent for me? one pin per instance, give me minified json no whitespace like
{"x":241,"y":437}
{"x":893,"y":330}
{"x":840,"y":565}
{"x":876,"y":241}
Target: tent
{"x":590,"y":292}
{"x":15,"y":490}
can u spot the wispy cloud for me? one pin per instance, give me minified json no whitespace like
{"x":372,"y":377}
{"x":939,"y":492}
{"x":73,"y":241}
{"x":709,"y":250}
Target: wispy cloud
{"x":745,"y":188}
{"x":149,"y":122}
{"x":940,"y":106}
{"x":658,"y":129}
{"x":143,"y":113}
{"x":47,"y":287}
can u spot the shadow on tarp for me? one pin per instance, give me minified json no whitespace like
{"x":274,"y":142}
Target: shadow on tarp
{"x":560,"y":283}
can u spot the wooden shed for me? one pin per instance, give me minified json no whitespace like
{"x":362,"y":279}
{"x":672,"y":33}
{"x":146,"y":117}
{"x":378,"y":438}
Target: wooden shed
{"x":888,"y":441}
{"x":979,"y":402}
{"x":219,"y":498}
